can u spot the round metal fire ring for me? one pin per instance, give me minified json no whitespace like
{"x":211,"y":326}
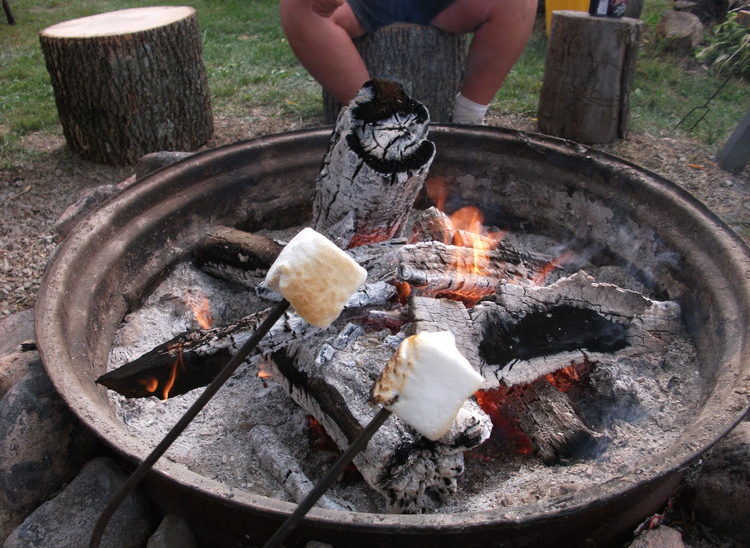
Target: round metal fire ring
{"x":114,"y":257}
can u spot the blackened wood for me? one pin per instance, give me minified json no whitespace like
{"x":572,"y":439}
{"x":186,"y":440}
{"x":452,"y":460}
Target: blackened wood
{"x":588,"y":72}
{"x":120,"y":96}
{"x":547,"y":417}
{"x":427,"y":61}
{"x":375,"y":165}
{"x":223,"y":245}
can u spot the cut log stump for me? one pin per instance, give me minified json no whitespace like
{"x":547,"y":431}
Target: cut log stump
{"x":427,"y":61}
{"x":129,"y":82}
{"x":587,"y":75}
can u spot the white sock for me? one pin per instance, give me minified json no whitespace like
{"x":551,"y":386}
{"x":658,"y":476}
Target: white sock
{"x":466,"y":111}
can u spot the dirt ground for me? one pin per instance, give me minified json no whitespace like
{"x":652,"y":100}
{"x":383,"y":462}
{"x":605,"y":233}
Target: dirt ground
{"x":35,"y":192}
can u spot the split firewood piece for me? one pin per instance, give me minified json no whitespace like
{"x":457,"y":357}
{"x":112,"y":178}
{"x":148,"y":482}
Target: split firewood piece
{"x":232,"y":254}
{"x":375,"y":165}
{"x":331,"y":379}
{"x":278,"y":460}
{"x":547,"y":417}
{"x":430,"y":315}
{"x":191,"y":359}
{"x":431,"y":225}
{"x":530,"y":331}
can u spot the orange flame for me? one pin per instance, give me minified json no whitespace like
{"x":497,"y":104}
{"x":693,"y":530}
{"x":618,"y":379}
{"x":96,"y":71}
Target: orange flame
{"x":564,"y":379}
{"x":437,"y":191}
{"x":169,"y":384}
{"x":547,"y":269}
{"x":263,"y":371}
{"x":150,"y":384}
{"x":200,"y":306}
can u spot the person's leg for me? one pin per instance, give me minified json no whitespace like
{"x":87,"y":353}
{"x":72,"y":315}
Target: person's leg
{"x":501,"y":29}
{"x":324,"y":46}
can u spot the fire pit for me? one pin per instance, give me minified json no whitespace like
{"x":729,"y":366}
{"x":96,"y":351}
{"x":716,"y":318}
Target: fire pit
{"x":548,"y":186}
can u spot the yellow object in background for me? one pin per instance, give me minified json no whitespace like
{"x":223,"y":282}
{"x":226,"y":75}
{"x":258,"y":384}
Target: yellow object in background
{"x":557,"y":5}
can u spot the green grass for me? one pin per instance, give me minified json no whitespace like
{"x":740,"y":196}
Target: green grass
{"x":249,"y":64}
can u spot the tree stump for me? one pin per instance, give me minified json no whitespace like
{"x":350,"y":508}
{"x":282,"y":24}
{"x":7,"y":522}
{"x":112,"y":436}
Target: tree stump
{"x":129,"y":82}
{"x":428,"y":62}
{"x":587,"y":75}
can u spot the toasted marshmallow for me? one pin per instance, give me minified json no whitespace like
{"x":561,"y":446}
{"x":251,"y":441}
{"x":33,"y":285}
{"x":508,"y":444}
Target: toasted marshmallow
{"x":426,"y":382}
{"x":315,"y":276}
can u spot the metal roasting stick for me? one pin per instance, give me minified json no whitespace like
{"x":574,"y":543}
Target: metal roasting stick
{"x":326,"y":481}
{"x":190,"y":414}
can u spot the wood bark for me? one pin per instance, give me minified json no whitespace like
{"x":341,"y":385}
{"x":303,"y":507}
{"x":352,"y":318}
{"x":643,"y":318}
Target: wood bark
{"x":375,"y":165}
{"x":122,"y":95}
{"x":427,"y":61}
{"x":587,"y":76}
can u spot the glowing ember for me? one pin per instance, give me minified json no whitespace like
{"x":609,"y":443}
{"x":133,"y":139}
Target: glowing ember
{"x":547,"y":269}
{"x":564,"y":379}
{"x":200,"y":306}
{"x":404,"y":290}
{"x":506,"y":433}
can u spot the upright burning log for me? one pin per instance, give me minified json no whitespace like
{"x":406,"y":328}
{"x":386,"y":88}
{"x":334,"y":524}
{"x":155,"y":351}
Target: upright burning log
{"x":375,"y":165}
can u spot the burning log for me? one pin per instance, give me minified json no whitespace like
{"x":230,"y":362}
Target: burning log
{"x":231,"y":254}
{"x":375,"y":165}
{"x":547,"y":417}
{"x":332,"y":381}
{"x":192,"y":359}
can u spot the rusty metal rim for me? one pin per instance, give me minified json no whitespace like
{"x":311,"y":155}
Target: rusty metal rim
{"x":58,"y":357}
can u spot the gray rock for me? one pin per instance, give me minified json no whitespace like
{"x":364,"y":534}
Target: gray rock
{"x":173,"y":532}
{"x":86,"y":203}
{"x":42,"y":444}
{"x":14,"y":366}
{"x":9,"y":520}
{"x":680,"y":31}
{"x":661,"y":537}
{"x":68,"y":520}
{"x":720,"y":497}
{"x":156,"y":160}
{"x":16,"y":328}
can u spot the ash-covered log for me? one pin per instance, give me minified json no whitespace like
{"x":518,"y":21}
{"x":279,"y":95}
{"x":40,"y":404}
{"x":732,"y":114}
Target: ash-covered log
{"x":332,"y":380}
{"x":375,"y":165}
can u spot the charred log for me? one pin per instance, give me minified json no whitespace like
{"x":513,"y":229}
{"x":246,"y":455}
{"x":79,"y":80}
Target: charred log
{"x":375,"y":165}
{"x":193,"y":358}
{"x":547,"y":417}
{"x":525,"y":334}
{"x":228,"y":246}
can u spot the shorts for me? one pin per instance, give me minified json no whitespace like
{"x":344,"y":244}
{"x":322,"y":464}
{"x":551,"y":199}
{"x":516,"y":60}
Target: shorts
{"x":374,"y":14}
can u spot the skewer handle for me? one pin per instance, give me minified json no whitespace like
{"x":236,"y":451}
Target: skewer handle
{"x":329,"y":479}
{"x":140,"y":472}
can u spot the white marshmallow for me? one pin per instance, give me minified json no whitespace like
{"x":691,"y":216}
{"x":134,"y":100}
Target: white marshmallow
{"x":426,"y":382}
{"x":315,"y":276}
